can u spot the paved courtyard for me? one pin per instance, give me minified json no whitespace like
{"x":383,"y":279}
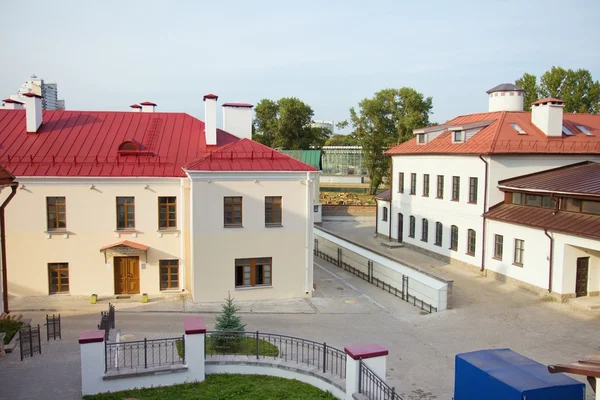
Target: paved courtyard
{"x":345,"y":310}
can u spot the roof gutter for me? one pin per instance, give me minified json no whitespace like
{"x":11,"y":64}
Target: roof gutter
{"x":520,"y":189}
{"x":485,"y":194}
{"x":12,"y":194}
{"x":550,"y":260}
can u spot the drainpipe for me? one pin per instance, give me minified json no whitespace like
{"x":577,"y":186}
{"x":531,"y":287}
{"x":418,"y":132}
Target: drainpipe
{"x":485,"y":191}
{"x":550,"y":262}
{"x":13,"y":188}
{"x":391,"y":191}
{"x":309,"y":212}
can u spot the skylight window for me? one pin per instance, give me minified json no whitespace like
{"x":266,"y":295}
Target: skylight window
{"x":567,"y":131}
{"x":584,"y":130}
{"x":517,"y":128}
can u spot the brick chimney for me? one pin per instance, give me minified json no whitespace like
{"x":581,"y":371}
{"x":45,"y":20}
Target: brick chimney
{"x":136,"y":108}
{"x":10,"y":104}
{"x":547,"y":115}
{"x":210,"y":118}
{"x":33,"y":111}
{"x":237,"y":119}
{"x":148,"y":106}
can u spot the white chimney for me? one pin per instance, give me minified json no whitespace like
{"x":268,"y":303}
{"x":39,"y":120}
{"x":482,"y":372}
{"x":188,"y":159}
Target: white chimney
{"x":136,"y":108}
{"x":505,"y":97}
{"x":237,"y":119}
{"x":10,"y":104}
{"x":547,"y":115}
{"x":33,"y":111}
{"x":148,"y":106}
{"x":210,"y":118}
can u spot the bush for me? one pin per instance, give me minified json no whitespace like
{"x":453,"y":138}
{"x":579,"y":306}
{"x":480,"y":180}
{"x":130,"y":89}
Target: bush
{"x":10,"y":326}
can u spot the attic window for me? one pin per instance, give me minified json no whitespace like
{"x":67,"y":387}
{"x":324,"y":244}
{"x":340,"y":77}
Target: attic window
{"x":421,"y":138}
{"x":567,"y":131}
{"x":584,"y":130}
{"x":458,"y":136}
{"x":128,"y":146}
{"x":517,"y":128}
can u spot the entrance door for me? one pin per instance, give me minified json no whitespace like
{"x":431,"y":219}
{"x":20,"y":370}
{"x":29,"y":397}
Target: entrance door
{"x":583,"y":266}
{"x":127,"y":275}
{"x":400,"y":227}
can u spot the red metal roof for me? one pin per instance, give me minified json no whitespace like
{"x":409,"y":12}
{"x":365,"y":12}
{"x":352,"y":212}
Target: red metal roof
{"x":147,"y":103}
{"x":548,"y":100}
{"x":587,"y":225}
{"x":384,"y":196}
{"x":247,"y":155}
{"x":12,"y":101}
{"x":135,"y":106}
{"x":29,"y":94}
{"x":210,"y":96}
{"x":242,"y":105}
{"x":581,"y":178}
{"x":501,"y":138}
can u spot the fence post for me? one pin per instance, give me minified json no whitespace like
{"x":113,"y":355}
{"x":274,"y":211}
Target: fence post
{"x":183,"y":348}
{"x":324,"y":356}
{"x":92,"y":363}
{"x":48,"y":327}
{"x":360,"y":376}
{"x":39,"y":335}
{"x":30,"y":342}
{"x":195,"y":334}
{"x":257,"y":350}
{"x":393,"y":392}
{"x":373,"y":356}
{"x":145,"y":353}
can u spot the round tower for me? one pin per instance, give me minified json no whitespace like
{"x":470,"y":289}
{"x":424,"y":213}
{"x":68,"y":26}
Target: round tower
{"x":505,"y":97}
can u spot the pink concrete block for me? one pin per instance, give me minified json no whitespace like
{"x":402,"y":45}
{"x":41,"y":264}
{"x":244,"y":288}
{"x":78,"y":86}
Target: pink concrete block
{"x":362,"y":351}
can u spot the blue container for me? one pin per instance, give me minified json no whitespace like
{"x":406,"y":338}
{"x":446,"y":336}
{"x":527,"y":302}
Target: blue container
{"x":502,"y":374}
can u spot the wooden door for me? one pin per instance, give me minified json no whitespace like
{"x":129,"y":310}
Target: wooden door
{"x":583,"y":266}
{"x":127,"y":275}
{"x":400,"y":227}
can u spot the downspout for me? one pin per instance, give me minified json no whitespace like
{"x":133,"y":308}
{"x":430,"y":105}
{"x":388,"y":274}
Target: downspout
{"x":182,"y":232}
{"x":485,"y":196}
{"x":13,"y":188}
{"x":391,"y":215}
{"x":308,"y":231}
{"x":550,"y":261}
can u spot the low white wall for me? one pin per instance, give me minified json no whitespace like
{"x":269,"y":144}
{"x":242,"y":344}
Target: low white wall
{"x":424,"y":287}
{"x":257,"y":369}
{"x":342,"y":178}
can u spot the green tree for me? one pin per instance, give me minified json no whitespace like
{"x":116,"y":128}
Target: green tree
{"x":228,"y":320}
{"x":286,"y":124}
{"x":342,"y":140}
{"x":385,"y":119}
{"x":528,"y":83}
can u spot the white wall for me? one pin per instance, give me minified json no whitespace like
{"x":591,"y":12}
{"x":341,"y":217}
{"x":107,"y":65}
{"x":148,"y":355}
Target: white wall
{"x":567,"y":249}
{"x":383,"y":226}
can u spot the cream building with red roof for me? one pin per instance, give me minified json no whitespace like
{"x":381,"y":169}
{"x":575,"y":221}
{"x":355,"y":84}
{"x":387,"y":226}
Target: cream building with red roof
{"x":143,"y":201}
{"x":446,"y":178}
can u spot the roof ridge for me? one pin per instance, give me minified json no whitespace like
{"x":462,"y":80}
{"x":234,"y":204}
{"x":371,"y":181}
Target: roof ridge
{"x":495,"y":140}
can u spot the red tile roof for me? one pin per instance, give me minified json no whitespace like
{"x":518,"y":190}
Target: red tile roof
{"x":210,"y":96}
{"x":501,"y":138}
{"x":147,"y":103}
{"x":247,"y":155}
{"x":587,"y":225}
{"x":12,"y":101}
{"x":242,"y":105}
{"x":581,"y":178}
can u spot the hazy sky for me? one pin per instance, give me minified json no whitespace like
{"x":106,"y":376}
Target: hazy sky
{"x":106,"y":55}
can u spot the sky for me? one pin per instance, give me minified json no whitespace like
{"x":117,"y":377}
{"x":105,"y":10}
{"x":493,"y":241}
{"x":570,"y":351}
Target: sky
{"x":106,"y":55}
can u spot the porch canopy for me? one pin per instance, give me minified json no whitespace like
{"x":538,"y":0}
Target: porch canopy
{"x":124,"y":247}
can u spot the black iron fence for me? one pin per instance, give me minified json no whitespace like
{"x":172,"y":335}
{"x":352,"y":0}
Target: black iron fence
{"x":107,"y":321}
{"x":147,"y":353}
{"x":372,"y":386}
{"x":53,"y":329}
{"x":368,"y":276}
{"x":30,"y":341}
{"x":268,"y":345}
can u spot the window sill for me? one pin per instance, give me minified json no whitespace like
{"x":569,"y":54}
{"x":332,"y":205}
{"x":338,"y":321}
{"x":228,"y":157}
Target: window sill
{"x":425,"y":195}
{"x":161,"y":232}
{"x":273,"y":225}
{"x":438,"y":244}
{"x":518,"y":265}
{"x":439,"y":198}
{"x":470,"y":254}
{"x":423,"y":240}
{"x":412,"y":237}
{"x":59,"y":294}
{"x":254,"y":287}
{"x":233,"y":226}
{"x":170,"y":291}
{"x":497,"y":258}
{"x":453,"y":249}
{"x":456,"y":200}
{"x":412,"y":194}
{"x":64,"y":232}
{"x":471,"y":202}
{"x":131,"y":232}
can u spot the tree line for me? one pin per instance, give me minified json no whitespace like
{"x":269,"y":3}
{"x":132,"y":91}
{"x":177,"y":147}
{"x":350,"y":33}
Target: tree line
{"x":389,"y":117}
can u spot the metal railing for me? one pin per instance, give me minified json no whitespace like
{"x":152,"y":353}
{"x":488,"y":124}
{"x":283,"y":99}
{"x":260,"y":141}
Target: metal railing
{"x":372,"y":386}
{"x":53,"y":329}
{"x":107,"y":321}
{"x":30,"y":342}
{"x":269,"y":345}
{"x":147,"y":353}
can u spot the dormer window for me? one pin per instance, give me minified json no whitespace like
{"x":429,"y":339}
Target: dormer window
{"x":458,"y":136}
{"x":519,"y":130}
{"x":422,"y":138}
{"x":128,"y":146}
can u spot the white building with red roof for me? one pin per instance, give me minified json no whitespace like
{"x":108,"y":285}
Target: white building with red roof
{"x":120,"y":203}
{"x":446,"y":178}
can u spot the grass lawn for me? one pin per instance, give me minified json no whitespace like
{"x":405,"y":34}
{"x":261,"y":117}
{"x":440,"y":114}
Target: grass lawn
{"x":244,"y":346}
{"x":225,"y":387}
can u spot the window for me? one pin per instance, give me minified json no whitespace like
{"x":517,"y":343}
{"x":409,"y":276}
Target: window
{"x":547,"y":202}
{"x":533,"y":200}
{"x":425,"y":230}
{"x":169,"y":274}
{"x":458,"y":136}
{"x":498,"y":246}
{"x":584,"y":130}
{"x":567,"y":131}
{"x":455,"y":188}
{"x":471,"y":241}
{"x":411,"y":227}
{"x":253,"y":272}
{"x":58,"y":278}
{"x":426,"y":185}
{"x":473,"y":190}
{"x":167,"y":212}
{"x":385,"y":213}
{"x":273,"y":210}
{"x":590,"y":207}
{"x":56,"y":213}
{"x":519,"y":248}
{"x":400,"y":182}
{"x":421,"y":138}
{"x":232,"y":211}
{"x":440,"y":186}
{"x":413,"y":183}
{"x":454,"y":237}
{"x":517,"y":198}
{"x":571,"y":204}
{"x":125,"y":212}
{"x":517,"y":128}
{"x":438,"y":233}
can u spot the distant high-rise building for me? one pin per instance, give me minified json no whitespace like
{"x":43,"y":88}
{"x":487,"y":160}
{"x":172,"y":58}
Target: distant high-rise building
{"x":319,"y":123}
{"x":48,"y":91}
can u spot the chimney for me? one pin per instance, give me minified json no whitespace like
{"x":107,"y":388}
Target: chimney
{"x":237,"y":119}
{"x":33,"y":111}
{"x":148,"y":106}
{"x":10,"y":104}
{"x":136,"y":108}
{"x":210,"y":118}
{"x":547,"y":115}
{"x":505,"y":97}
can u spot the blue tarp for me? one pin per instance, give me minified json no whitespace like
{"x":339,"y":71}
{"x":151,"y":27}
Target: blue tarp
{"x":502,"y":374}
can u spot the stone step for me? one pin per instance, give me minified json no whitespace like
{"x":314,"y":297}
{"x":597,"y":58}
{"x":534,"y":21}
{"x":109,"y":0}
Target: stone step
{"x":392,"y":245}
